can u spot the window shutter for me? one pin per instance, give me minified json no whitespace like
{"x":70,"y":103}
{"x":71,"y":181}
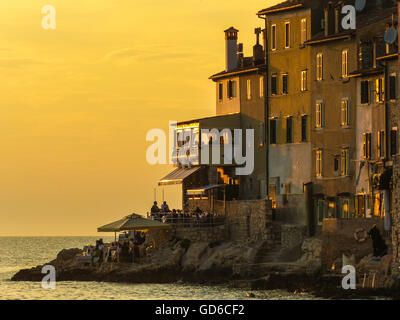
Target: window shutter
{"x":365,"y":145}
{"x":348,"y":112}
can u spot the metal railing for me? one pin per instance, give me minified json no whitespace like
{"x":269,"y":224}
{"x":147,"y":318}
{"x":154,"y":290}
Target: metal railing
{"x":192,"y":222}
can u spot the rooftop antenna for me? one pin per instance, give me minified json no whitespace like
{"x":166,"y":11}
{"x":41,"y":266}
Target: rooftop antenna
{"x":360,"y":5}
{"x":390,"y":35}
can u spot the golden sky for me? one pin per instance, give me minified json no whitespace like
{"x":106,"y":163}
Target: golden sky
{"x":76,"y":102}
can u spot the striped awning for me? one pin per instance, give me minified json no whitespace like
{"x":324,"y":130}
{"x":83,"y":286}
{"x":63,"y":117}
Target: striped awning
{"x":177,"y":176}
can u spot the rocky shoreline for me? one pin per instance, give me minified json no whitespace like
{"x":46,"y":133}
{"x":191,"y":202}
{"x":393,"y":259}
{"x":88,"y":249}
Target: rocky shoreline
{"x":229,"y":263}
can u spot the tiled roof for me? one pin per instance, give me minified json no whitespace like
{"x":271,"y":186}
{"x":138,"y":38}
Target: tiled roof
{"x":237,"y":71}
{"x":281,"y":6}
{"x":363,"y":20}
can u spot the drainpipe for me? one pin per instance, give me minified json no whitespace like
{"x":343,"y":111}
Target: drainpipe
{"x":266,"y":105}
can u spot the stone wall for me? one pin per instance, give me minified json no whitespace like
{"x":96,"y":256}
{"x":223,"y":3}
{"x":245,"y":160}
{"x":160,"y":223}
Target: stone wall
{"x":204,"y":234}
{"x":244,"y":220}
{"x":396,"y":209}
{"x":292,"y":235}
{"x":251,"y":219}
{"x":338,"y":238}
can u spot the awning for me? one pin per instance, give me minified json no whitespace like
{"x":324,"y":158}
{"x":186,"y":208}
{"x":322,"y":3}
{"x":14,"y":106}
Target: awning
{"x":133,"y":222}
{"x":202,"y":190}
{"x":177,"y":176}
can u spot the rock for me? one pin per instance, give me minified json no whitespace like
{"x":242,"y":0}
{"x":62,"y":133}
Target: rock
{"x":311,"y":248}
{"x":67,"y":256}
{"x":191,"y":259}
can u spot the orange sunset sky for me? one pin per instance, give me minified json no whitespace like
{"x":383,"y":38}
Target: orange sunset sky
{"x":76,"y":102}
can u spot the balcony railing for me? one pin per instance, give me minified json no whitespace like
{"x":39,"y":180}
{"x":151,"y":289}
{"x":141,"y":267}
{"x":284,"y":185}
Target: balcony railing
{"x":193,"y":222}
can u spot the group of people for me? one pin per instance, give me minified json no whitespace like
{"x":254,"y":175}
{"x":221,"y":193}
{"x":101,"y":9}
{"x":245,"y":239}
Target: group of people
{"x":126,"y":249}
{"x":96,"y":251}
{"x":165,"y":215}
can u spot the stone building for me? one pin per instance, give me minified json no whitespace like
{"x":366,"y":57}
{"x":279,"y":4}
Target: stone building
{"x":394,"y":122}
{"x":376,"y":96}
{"x":239,"y":105}
{"x":288,"y":27}
{"x":334,"y":54}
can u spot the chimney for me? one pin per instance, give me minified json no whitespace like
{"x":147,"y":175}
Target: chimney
{"x":231,"y":61}
{"x":258,"y":52}
{"x":326,"y":21}
{"x":337,"y":19}
{"x":240,"y":55}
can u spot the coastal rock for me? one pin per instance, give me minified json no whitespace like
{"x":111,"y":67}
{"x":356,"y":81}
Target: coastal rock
{"x":311,"y":248}
{"x":67,"y":257}
{"x":192,"y":258}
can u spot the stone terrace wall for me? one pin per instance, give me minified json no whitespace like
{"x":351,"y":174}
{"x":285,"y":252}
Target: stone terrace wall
{"x":292,"y":235}
{"x":204,"y":234}
{"x":245,"y":220}
{"x":251,"y":219}
{"x":396,"y":209}
{"x":338,"y":238}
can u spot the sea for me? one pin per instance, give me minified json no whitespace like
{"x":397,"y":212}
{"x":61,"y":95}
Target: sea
{"x":24,"y":252}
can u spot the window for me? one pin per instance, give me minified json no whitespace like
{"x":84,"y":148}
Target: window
{"x":319,"y":115}
{"x":231,"y":89}
{"x":365,"y":92}
{"x":303,"y":30}
{"x":261,"y":87}
{"x":367,"y":137}
{"x":272,"y":131}
{"x":345,"y":63}
{"x":320,"y":66}
{"x":335,"y":164}
{"x":285,"y":83}
{"x":318,"y":167}
{"x":393,"y":142}
{"x":345,"y":162}
{"x":320,"y":211}
{"x":304,"y":128}
{"x":273,"y":37}
{"x":392,"y":87}
{"x":381,"y":144}
{"x":379,"y":90}
{"x":220,"y":90}
{"x":248,"y":89}
{"x":289,"y":130}
{"x":345,"y":209}
{"x":345,"y":113}
{"x":287,"y":34}
{"x":274,"y":84}
{"x":303,"y":85}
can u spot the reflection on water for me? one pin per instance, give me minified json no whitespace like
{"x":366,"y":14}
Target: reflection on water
{"x":24,"y":252}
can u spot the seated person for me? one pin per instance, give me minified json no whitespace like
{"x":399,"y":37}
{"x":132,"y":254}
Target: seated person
{"x":154,"y":209}
{"x":198,"y":211}
{"x":164,"y":207}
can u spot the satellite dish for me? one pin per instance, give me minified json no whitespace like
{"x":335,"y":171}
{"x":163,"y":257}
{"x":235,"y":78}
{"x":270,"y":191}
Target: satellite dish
{"x":390,"y":35}
{"x":360,"y":5}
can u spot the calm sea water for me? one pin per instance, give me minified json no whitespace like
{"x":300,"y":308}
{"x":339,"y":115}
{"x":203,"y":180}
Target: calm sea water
{"x":23,"y":252}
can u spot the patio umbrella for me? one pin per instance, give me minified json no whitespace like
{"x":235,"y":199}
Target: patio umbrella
{"x":133,"y":222}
